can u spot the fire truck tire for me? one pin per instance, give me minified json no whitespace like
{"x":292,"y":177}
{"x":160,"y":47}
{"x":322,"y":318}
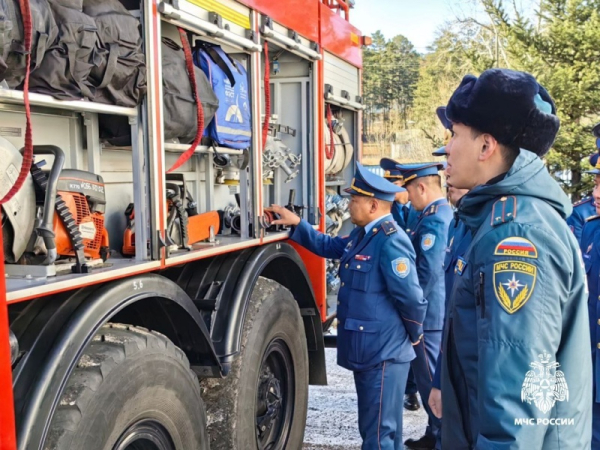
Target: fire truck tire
{"x":262,"y":403}
{"x":132,"y":388}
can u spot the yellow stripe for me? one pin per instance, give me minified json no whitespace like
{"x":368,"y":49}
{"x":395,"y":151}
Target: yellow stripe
{"x":360,"y":191}
{"x":224,"y":11}
{"x":388,"y":174}
{"x":412,"y":177}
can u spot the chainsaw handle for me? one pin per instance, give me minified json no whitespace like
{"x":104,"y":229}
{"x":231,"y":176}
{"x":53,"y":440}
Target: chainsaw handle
{"x":46,"y":229}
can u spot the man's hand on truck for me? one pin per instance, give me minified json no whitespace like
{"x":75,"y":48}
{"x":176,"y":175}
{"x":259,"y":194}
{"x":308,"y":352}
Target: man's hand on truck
{"x":286,"y":217}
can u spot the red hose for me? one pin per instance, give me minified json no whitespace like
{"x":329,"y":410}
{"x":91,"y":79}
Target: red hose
{"x":265,"y":129}
{"x":28,"y":151}
{"x":329,"y":152}
{"x":189,"y":64}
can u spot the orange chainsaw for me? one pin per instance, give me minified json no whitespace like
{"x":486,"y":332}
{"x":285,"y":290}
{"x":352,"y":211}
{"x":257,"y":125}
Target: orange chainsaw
{"x":185,"y":226}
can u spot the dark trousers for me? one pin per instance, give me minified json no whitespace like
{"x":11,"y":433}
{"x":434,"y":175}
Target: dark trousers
{"x":595,"y":409}
{"x":380,"y":403}
{"x":596,"y":427}
{"x":423,"y":367}
{"x":411,"y":384}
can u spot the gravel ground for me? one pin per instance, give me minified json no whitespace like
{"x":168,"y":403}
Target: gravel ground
{"x":332,"y":422}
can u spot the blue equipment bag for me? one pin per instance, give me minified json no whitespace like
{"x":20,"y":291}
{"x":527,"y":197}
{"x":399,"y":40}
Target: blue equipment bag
{"x":231,"y":126}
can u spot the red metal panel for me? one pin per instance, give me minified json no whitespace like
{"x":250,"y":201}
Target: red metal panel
{"x":321,"y":286}
{"x":301,"y":16}
{"x":315,"y":266}
{"x":339,"y":37}
{"x":7,"y":416}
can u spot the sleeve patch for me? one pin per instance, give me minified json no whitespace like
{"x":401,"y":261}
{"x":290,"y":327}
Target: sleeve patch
{"x":516,"y":246}
{"x":427,"y":241}
{"x":514,"y":282}
{"x":461,"y":264}
{"x":401,"y":267}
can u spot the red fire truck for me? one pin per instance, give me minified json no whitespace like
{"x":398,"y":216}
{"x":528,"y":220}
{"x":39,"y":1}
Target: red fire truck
{"x":148,"y":308}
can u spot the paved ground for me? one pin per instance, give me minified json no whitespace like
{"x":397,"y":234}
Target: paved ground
{"x":332,"y":413}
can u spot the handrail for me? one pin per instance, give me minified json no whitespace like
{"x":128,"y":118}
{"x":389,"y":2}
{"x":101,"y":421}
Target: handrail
{"x":339,"y":4}
{"x":195,"y":24}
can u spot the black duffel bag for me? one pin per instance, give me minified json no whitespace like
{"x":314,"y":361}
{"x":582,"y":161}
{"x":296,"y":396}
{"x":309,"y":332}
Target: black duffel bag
{"x":120,"y":78}
{"x":65,"y":70}
{"x":179,"y":107}
{"x":12,"y":38}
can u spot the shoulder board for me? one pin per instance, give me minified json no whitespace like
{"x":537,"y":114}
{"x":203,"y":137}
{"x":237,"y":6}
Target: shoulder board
{"x":388,"y":227}
{"x":434,"y":209}
{"x":583,"y":201}
{"x":504,"y":210}
{"x":431,"y":210}
{"x":589,"y":219}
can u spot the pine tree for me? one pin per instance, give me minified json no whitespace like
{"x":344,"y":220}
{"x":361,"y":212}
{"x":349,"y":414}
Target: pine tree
{"x":561,"y":48}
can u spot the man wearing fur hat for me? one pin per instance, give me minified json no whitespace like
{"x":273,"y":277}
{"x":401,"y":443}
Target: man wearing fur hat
{"x":516,"y":369}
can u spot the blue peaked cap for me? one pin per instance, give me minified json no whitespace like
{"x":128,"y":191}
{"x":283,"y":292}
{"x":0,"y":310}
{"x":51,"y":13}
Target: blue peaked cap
{"x":594,"y":156}
{"x":391,"y":171}
{"x":441,"y":113}
{"x":594,"y":171}
{"x":412,"y":171}
{"x":368,"y":184}
{"x":596,"y":166}
{"x":440,"y":151}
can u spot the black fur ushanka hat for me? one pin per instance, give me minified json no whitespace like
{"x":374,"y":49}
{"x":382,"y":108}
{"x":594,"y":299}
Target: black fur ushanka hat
{"x":511,"y":106}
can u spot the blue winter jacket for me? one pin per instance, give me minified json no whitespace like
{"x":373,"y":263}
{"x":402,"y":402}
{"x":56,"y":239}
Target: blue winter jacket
{"x":516,"y":367}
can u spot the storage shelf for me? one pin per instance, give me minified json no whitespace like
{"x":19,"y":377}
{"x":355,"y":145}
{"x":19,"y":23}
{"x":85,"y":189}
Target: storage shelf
{"x":226,"y":244}
{"x":16,"y":98}
{"x":20,"y":289}
{"x":180,"y":148}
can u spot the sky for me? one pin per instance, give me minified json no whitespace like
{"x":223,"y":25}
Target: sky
{"x":418,"y":20}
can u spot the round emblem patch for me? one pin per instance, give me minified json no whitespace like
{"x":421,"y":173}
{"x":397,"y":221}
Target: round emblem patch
{"x":427,"y":241}
{"x":401,"y":267}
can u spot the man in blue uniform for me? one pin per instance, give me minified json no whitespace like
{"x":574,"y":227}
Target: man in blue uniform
{"x":585,"y":207}
{"x":406,"y":217}
{"x":458,"y":241}
{"x":429,"y":238}
{"x":590,"y":248}
{"x":459,"y":238}
{"x":380,"y":304}
{"x":402,"y":210}
{"x":515,"y":374}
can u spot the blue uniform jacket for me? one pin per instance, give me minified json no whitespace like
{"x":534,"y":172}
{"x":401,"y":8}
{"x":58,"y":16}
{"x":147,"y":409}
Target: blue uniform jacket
{"x":581,"y":211}
{"x":516,"y":367}
{"x":405,"y":216}
{"x":590,"y":249}
{"x":459,"y":239}
{"x":429,"y":238}
{"x":381,"y":307}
